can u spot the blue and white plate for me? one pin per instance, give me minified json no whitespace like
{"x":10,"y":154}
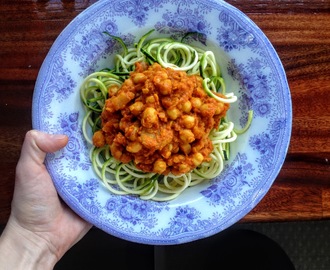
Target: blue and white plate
{"x":251,"y":69}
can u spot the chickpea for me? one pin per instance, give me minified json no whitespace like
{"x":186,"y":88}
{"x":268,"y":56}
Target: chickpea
{"x":186,"y":136}
{"x":204,"y":108}
{"x":166,"y":151}
{"x":138,"y":78}
{"x":149,"y":117}
{"x":136,"y":108}
{"x":196,"y":102}
{"x":185,"y":148}
{"x":184,"y":168}
{"x":150,"y":99}
{"x":129,"y":83}
{"x":169,"y":101}
{"x":165,"y":87}
{"x":157,"y":79}
{"x":116,"y":150}
{"x":122,"y":99}
{"x":178,"y":158}
{"x":173,"y":113}
{"x":98,"y":139}
{"x":120,"y":139}
{"x":160,"y":76}
{"x":145,"y":90}
{"x":188,"y":121}
{"x":113,"y":89}
{"x":148,"y":140}
{"x":131,"y":132}
{"x":134,"y":147}
{"x":123,"y":124}
{"x":159,"y":166}
{"x":219,"y":109}
{"x":198,"y":132}
{"x":197,"y":159}
{"x":208,"y":110}
{"x":186,"y":106}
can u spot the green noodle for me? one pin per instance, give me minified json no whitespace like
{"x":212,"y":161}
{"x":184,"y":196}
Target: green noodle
{"x":122,"y":178}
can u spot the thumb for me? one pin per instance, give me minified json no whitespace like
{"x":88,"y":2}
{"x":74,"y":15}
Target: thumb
{"x":37,"y":144}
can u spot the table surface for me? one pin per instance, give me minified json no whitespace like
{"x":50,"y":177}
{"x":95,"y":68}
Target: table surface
{"x":300,"y":33}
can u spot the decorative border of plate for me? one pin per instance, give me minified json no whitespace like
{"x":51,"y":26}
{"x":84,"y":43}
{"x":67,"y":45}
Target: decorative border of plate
{"x":249,"y":64}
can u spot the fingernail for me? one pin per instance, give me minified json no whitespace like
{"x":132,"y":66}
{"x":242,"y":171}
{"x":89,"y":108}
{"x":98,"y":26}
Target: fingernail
{"x":58,"y":136}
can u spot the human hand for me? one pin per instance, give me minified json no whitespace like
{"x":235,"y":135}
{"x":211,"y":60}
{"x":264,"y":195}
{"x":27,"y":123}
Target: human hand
{"x":39,"y":222}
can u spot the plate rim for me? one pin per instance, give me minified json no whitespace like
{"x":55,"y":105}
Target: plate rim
{"x":238,"y":214}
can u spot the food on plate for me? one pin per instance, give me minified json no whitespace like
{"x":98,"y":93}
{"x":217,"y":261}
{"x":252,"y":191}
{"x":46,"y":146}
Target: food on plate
{"x":158,"y":119}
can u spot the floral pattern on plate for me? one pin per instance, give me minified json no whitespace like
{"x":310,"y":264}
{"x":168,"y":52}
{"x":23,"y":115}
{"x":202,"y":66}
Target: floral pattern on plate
{"x":251,"y":69}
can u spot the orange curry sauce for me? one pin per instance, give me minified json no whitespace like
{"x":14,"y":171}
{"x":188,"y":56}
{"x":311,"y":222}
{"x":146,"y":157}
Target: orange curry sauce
{"x":160,"y":119}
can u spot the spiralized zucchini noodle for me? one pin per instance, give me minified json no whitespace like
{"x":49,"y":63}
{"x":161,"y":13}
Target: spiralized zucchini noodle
{"x":126,"y":178}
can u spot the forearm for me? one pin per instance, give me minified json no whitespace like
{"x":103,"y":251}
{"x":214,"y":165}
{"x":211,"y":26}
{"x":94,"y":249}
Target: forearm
{"x":22,"y":250}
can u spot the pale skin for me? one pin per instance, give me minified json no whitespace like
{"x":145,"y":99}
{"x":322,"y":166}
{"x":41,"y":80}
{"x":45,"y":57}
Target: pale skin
{"x":40,"y":228}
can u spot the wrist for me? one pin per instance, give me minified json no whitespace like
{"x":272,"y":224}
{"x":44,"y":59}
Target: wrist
{"x":22,"y":249}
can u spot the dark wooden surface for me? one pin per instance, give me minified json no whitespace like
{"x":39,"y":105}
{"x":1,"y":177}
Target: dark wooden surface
{"x":299,"y":31}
